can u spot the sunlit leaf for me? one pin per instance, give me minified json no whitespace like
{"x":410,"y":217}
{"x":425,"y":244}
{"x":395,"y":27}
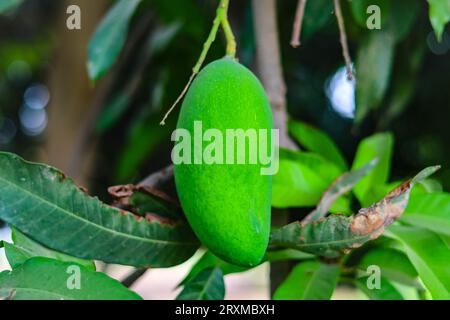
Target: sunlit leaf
{"x":394,"y":265}
{"x":310,"y":280}
{"x":24,"y":248}
{"x":48,"y":207}
{"x":207,"y":285}
{"x":302,"y":178}
{"x":377,"y":146}
{"x":429,"y":255}
{"x":316,"y":141}
{"x":386,"y":291}
{"x":109,"y":38}
{"x":47,"y":279}
{"x":430,"y":211}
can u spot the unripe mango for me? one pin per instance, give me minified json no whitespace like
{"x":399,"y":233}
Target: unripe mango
{"x":227,"y":205}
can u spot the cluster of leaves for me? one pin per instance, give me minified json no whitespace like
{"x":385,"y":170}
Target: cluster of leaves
{"x":59,"y":225}
{"x":147,"y":228}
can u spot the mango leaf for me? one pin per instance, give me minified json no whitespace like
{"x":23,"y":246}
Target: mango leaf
{"x":429,"y":255}
{"x":207,"y":285}
{"x":286,"y":254}
{"x":394,"y":265}
{"x":372,"y":78}
{"x":109,"y":38}
{"x":386,"y":292}
{"x":342,"y":185}
{"x":316,"y":141}
{"x":8,"y":5}
{"x":24,"y":248}
{"x":301,"y":179}
{"x":439,"y":15}
{"x":48,"y":207}
{"x":144,"y":200}
{"x":209,"y":260}
{"x":47,"y":279}
{"x":376,"y":146}
{"x":316,"y":18}
{"x":430,"y":211}
{"x":402,"y":16}
{"x":331,"y":236}
{"x":310,"y":280}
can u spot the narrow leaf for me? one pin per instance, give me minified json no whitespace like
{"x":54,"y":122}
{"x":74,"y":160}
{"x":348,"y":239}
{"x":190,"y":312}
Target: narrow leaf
{"x":48,"y":207}
{"x":47,"y":279}
{"x":341,"y":186}
{"x":207,"y":285}
{"x":316,"y":141}
{"x":376,"y":146}
{"x":429,"y":255}
{"x":386,"y":291}
{"x":109,"y":38}
{"x":24,"y":248}
{"x":394,"y":265}
{"x":336,"y":234}
{"x":310,"y":280}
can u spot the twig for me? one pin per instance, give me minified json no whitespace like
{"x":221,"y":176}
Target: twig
{"x":343,"y":38}
{"x":298,"y":22}
{"x":269,"y":65}
{"x":133,"y":277}
{"x":220,"y":19}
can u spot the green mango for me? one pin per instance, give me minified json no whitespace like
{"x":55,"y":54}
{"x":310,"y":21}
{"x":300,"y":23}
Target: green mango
{"x":227,"y":204}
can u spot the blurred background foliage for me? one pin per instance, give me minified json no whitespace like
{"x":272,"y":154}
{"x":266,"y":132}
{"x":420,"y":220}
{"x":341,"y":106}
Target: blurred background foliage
{"x":109,"y":133}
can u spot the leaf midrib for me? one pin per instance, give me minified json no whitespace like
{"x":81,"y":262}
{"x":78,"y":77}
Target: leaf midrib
{"x":50,"y":204}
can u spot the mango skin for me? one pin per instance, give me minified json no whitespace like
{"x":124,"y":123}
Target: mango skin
{"x":227,"y":205}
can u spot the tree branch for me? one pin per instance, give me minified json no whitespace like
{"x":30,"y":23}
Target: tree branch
{"x":298,"y":22}
{"x":269,"y":64}
{"x":343,"y":38}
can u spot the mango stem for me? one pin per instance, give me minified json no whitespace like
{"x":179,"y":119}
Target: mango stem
{"x":220,"y":19}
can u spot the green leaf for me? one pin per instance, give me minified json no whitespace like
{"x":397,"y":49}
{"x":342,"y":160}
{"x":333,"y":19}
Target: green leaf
{"x":316,"y":141}
{"x":209,"y":260}
{"x":373,"y":70}
{"x":8,"y":5}
{"x":430,"y":211}
{"x":439,"y":15}
{"x":394,"y":265}
{"x":402,"y":17}
{"x":47,"y":279}
{"x":109,"y":38}
{"x":48,"y":207}
{"x":429,"y":255}
{"x":386,"y":292}
{"x":24,"y":248}
{"x":317,"y":16}
{"x":342,"y":185}
{"x":377,"y":146}
{"x":310,"y":280}
{"x":207,"y":285}
{"x":302,"y":178}
{"x":331,"y":236}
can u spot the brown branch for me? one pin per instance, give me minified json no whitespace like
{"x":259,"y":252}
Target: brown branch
{"x":269,"y":64}
{"x":298,"y":22}
{"x":343,"y":38}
